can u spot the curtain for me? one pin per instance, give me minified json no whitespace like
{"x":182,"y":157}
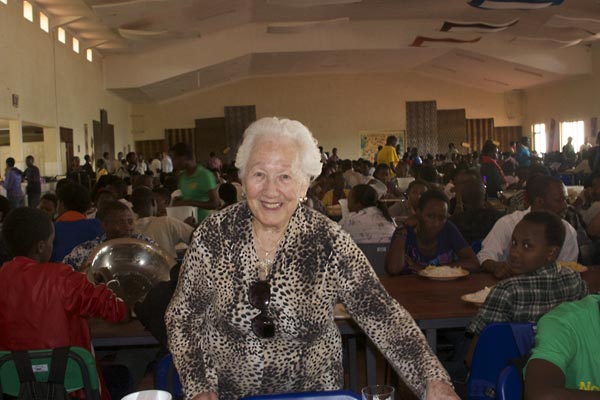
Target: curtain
{"x":421,"y":126}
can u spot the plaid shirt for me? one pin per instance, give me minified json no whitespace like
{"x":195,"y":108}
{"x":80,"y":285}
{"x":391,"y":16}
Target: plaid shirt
{"x":526,"y":298}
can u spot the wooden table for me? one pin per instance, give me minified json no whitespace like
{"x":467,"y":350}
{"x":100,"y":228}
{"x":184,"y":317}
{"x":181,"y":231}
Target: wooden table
{"x":433,"y":304}
{"x":130,"y":333}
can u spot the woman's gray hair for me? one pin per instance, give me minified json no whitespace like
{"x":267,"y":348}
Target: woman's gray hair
{"x":308,"y":155}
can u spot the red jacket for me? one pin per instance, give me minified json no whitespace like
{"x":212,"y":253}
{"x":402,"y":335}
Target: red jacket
{"x":43,"y":306}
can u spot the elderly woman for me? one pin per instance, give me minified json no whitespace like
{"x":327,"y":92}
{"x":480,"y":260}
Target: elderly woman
{"x":253,"y":309}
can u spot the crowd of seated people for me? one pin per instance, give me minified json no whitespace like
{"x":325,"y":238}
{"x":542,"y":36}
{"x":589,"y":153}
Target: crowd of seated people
{"x":447,"y":209}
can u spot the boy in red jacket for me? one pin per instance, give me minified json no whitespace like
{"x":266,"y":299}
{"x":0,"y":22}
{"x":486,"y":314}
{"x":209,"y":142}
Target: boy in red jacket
{"x":46,"y":305}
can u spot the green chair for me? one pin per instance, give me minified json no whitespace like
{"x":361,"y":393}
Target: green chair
{"x":80,"y":371}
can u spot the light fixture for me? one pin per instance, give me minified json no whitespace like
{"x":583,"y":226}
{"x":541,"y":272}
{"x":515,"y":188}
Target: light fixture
{"x":76,"y":45}
{"x":44,"y":22}
{"x":4,"y":1}
{"x":28,"y":11}
{"x":89,"y":55}
{"x":62,"y":36}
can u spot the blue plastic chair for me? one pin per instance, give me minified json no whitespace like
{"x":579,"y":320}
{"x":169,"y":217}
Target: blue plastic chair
{"x":510,"y":385}
{"x":334,"y":395}
{"x":498,"y":344}
{"x":166,"y":377}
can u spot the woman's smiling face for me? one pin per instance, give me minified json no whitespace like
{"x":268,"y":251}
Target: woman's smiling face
{"x":273,"y":182}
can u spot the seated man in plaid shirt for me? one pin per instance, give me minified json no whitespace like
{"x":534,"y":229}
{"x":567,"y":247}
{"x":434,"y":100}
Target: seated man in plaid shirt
{"x":538,"y":283}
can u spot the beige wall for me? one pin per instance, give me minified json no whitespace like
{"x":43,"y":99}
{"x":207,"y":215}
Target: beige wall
{"x":334,"y":107}
{"x":568,"y":100}
{"x":56,"y":86}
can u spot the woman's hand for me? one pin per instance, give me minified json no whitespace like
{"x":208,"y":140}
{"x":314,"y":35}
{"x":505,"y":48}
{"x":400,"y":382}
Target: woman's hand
{"x":206,"y":396}
{"x":438,"y":390}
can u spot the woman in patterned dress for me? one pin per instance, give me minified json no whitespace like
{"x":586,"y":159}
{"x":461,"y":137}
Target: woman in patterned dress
{"x":253,"y":309}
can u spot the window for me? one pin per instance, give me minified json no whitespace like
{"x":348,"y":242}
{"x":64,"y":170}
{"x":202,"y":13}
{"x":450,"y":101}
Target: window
{"x":539,"y":138}
{"x":28,"y":11}
{"x":44,"y":22}
{"x":62,"y":36}
{"x":574,"y":129}
{"x":76,"y":45}
{"x":89,"y":55}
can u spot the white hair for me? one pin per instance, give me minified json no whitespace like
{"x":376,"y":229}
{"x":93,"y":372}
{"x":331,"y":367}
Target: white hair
{"x":308,"y":159}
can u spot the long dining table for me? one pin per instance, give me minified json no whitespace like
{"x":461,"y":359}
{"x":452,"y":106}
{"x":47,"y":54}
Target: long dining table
{"x":433,"y":304}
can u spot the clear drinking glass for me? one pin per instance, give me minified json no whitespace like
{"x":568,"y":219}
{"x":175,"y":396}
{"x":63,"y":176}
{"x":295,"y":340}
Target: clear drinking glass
{"x":378,"y":392}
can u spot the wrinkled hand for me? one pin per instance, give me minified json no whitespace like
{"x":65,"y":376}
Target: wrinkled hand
{"x":206,"y":396}
{"x":438,"y":390}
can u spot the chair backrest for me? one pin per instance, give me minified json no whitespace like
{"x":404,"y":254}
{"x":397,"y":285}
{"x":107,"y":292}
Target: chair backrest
{"x":80,"y":372}
{"x":166,"y":377}
{"x":375,"y":253}
{"x":498,"y":344}
{"x":333,"y":395}
{"x":510,"y":384}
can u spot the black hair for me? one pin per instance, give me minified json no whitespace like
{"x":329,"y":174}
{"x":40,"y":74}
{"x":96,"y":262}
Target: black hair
{"x":30,"y":157}
{"x":417,"y":182}
{"x":537,"y":186}
{"x":23,"y":228}
{"x":74,"y":196}
{"x":537,"y":170}
{"x":109,"y":208}
{"x":473,"y":195}
{"x":379,"y":168}
{"x":390,"y":140}
{"x":142,"y":200}
{"x":489,"y":148}
{"x":367,"y":196}
{"x":50,"y":197}
{"x":182,"y":150}
{"x":554,"y":229}
{"x":105,"y":154}
{"x":10,"y":162}
{"x":228,"y":193}
{"x":428,"y":173}
{"x":4,"y":207}
{"x":164,"y":192}
{"x":346,"y":165}
{"x":100,"y":163}
{"x":430,"y":195}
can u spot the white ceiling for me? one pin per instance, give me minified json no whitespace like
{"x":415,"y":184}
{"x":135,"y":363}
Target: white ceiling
{"x":179,"y":46}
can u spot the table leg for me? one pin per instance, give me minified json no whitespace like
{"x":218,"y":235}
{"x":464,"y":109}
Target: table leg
{"x":431,"y":335}
{"x":352,"y":364}
{"x":371,"y":364}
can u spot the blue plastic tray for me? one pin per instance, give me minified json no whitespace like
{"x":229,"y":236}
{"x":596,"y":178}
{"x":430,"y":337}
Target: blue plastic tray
{"x":335,"y":395}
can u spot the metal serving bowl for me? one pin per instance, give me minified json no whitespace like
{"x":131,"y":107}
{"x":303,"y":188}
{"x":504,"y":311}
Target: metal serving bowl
{"x":130,"y":267}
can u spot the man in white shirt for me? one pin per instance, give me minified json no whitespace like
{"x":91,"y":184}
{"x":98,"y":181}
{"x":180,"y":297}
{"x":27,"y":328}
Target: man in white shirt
{"x":167,"y":163}
{"x":351,"y":177}
{"x":544,"y":193}
{"x":166,"y":231}
{"x":156,"y":165}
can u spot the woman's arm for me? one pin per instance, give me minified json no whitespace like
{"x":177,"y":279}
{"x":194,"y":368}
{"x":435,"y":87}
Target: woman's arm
{"x":467,"y":259}
{"x":394,"y":259}
{"x":387,"y":323}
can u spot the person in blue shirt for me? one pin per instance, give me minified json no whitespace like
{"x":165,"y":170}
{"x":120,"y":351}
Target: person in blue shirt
{"x":523,"y":154}
{"x":432,"y":240}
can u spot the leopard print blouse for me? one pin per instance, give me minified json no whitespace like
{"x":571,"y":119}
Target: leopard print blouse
{"x":317,"y":265}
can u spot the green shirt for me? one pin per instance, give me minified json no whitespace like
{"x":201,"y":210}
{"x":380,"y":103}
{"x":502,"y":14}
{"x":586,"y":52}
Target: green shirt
{"x":569,"y":337}
{"x":195,"y":187}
